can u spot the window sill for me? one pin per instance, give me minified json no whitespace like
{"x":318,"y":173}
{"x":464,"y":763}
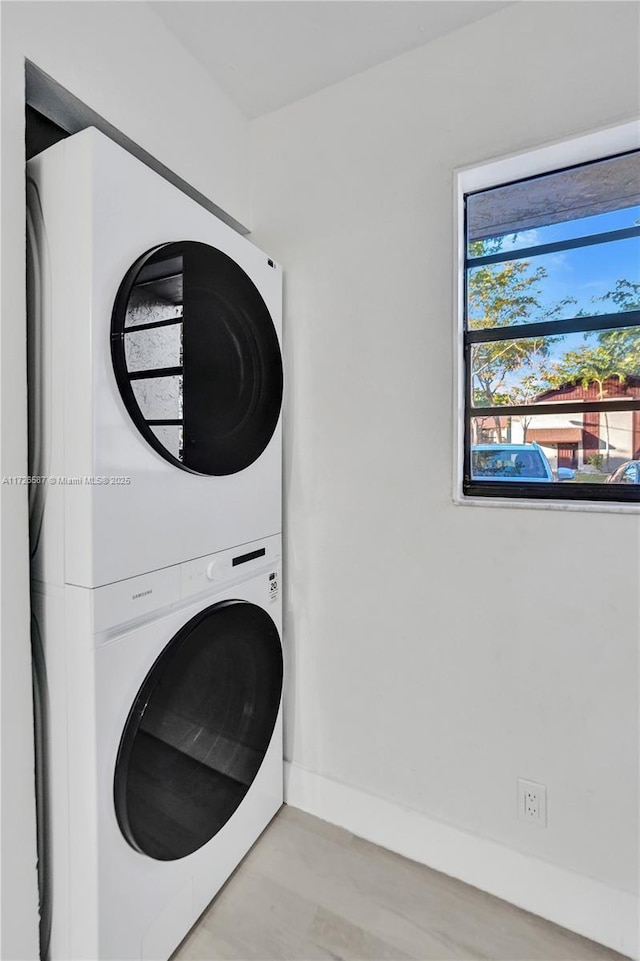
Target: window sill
{"x":592,"y":507}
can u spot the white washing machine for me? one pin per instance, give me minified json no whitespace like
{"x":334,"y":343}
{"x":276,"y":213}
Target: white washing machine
{"x":163,"y":719}
{"x":156,"y":371}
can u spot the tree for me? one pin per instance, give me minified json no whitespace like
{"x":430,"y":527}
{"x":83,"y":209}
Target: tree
{"x":624,"y":343}
{"x":625,"y":295}
{"x":615,"y":356}
{"x":503,"y":295}
{"x":594,"y":365}
{"x":526,"y":392}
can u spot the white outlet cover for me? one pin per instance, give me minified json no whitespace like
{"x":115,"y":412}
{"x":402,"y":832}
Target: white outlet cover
{"x":536,"y":811}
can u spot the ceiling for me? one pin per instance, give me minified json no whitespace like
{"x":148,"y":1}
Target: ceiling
{"x":268,"y":53}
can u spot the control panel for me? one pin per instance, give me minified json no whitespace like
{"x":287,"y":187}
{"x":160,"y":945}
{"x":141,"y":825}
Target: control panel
{"x":127,"y":600}
{"x":215,"y":570}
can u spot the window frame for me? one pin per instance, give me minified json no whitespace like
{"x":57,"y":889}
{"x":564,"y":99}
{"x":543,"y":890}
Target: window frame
{"x":529,"y":164}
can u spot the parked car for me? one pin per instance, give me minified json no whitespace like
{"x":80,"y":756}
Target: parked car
{"x":627,"y":473}
{"x":514,"y":462}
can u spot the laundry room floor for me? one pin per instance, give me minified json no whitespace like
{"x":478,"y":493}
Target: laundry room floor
{"x":308,"y":890}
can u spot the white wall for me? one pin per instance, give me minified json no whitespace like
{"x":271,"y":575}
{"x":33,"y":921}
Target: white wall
{"x":399,"y":683}
{"x":436,"y":653}
{"x":121,"y":61}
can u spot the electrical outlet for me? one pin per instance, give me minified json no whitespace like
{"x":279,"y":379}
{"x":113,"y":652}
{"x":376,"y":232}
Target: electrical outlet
{"x":532,"y":802}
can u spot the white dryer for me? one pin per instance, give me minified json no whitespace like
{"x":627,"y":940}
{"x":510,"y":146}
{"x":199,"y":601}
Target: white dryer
{"x":165,"y":746}
{"x":156,"y":371}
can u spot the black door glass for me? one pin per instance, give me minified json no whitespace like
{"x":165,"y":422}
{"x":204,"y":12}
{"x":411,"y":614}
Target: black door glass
{"x":198,"y":730}
{"x":196,"y":358}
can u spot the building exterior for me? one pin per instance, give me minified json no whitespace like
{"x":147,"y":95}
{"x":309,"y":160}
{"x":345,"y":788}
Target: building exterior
{"x":589,"y":439}
{"x":593,"y":439}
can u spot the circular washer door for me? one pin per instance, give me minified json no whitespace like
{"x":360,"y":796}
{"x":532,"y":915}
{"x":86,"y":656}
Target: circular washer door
{"x":196,"y":358}
{"x":198,"y":730}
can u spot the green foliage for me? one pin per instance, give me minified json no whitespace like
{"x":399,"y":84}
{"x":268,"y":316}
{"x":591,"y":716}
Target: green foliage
{"x":500,"y":295}
{"x":592,"y":365}
{"x":617,"y":354}
{"x":625,"y":295}
{"x":503,"y":295}
{"x":507,"y":294}
{"x":623,"y":345}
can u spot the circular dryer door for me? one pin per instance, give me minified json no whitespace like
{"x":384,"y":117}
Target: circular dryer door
{"x":196,"y":358}
{"x":198,"y":730}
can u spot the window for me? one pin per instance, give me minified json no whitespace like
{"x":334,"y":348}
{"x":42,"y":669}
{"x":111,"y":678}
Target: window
{"x":550,"y":298}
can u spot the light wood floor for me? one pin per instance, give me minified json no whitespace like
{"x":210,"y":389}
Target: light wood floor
{"x":308,"y":890}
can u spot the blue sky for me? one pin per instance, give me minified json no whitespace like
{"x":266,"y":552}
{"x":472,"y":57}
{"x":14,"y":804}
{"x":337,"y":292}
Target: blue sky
{"x":588,"y":272}
{"x":583,"y":273}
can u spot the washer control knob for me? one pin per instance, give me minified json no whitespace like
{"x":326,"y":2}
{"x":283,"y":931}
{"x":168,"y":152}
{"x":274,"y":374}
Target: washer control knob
{"x":212,"y":567}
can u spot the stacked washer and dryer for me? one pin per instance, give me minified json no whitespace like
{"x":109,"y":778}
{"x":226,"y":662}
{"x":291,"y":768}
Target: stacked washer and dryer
{"x":155,"y":395}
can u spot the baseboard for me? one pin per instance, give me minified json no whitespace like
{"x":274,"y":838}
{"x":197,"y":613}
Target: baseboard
{"x":587,"y":907}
